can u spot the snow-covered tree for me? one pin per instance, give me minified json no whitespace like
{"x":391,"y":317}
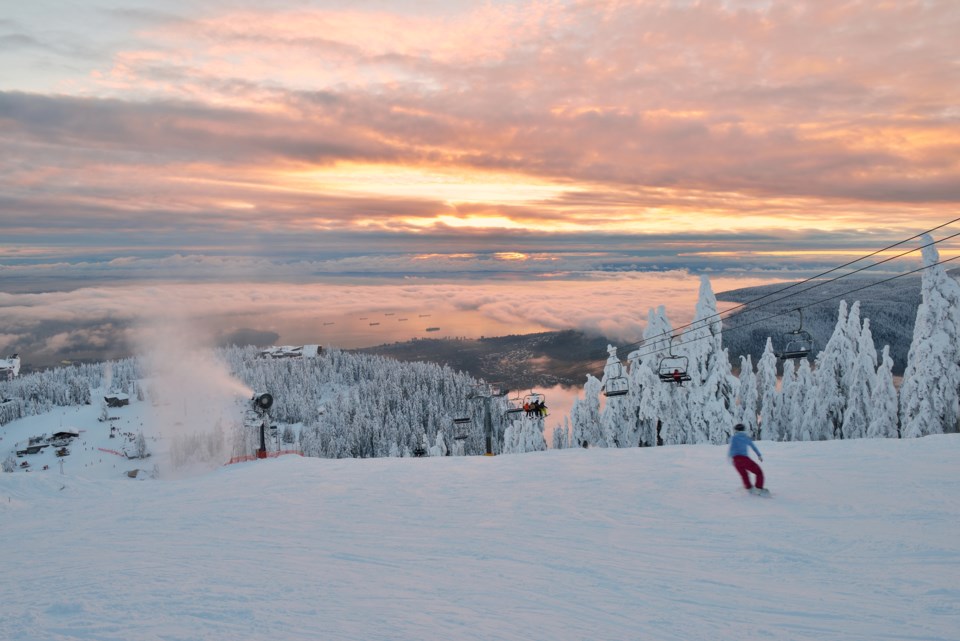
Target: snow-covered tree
{"x":667,"y":402}
{"x":747,"y":396}
{"x":651,"y":393}
{"x":862,"y":379}
{"x":140,"y":445}
{"x":585,"y":415}
{"x":439,"y":448}
{"x":713,"y":388}
{"x":767,"y":393}
{"x":561,"y":435}
{"x":524,"y":435}
{"x":799,"y":402}
{"x":929,"y":393}
{"x":831,"y":376}
{"x":618,"y":418}
{"x":883,"y":403}
{"x":790,"y":397}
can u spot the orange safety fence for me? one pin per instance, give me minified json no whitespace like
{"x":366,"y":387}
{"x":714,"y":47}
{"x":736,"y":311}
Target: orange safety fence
{"x":254,"y":457}
{"x":103,"y":449}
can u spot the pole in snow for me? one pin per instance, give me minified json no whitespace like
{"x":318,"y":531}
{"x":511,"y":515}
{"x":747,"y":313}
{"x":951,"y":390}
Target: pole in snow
{"x":488,"y":425}
{"x":261,"y":404}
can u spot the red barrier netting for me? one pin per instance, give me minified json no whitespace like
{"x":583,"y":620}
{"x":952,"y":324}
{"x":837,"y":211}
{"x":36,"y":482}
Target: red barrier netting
{"x":253,"y":457}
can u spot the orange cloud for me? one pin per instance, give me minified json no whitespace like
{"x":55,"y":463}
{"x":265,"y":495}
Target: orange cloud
{"x":548,"y":117}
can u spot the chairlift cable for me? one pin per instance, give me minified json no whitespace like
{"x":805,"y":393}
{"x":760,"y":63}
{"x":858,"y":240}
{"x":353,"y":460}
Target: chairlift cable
{"x":856,"y":260}
{"x":819,"y":302}
{"x":697,"y":324}
{"x":833,"y":280}
{"x":705,"y":321}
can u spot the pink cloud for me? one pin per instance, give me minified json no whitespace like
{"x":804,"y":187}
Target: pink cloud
{"x":637,"y":116}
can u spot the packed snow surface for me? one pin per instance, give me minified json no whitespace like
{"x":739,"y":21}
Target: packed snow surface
{"x":859,"y":541}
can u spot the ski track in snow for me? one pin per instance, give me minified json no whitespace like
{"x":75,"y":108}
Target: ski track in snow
{"x":858,"y":542}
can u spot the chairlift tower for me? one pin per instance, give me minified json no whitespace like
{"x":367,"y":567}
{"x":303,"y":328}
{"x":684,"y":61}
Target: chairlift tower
{"x":485,"y":393}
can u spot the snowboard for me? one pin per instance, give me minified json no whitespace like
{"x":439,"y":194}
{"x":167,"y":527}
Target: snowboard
{"x":758,"y":492}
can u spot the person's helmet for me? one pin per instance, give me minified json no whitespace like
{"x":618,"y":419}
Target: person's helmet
{"x":739,"y":427}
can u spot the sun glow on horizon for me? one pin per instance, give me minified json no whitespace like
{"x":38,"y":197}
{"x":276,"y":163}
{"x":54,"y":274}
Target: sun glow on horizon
{"x":453,"y":186}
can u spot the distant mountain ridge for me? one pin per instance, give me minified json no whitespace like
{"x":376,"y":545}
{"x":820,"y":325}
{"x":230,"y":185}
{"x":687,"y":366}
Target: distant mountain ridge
{"x":890,"y":306}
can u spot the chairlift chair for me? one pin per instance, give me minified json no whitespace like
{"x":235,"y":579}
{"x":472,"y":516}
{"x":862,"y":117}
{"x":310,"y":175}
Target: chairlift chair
{"x":461,"y":433}
{"x":615,"y":386}
{"x":535,"y":398}
{"x":798,"y":343}
{"x":616,"y":383}
{"x":515,"y":404}
{"x":673,"y":368}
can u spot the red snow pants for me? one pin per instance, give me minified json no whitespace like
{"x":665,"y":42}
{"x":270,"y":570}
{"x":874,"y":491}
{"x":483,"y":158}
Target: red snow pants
{"x":746,"y":464}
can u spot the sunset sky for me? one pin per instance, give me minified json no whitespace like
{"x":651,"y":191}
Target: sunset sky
{"x":296,"y":140}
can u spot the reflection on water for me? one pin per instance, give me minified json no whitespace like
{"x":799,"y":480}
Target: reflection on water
{"x":559,"y":401}
{"x":362,"y":313}
{"x":351,"y":332}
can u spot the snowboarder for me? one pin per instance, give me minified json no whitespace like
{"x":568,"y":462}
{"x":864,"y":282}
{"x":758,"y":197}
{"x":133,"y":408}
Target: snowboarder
{"x":740,"y":456}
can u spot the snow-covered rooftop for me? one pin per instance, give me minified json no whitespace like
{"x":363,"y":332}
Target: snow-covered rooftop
{"x":10,"y":367}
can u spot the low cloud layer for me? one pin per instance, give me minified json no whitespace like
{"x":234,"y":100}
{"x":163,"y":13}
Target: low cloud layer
{"x":117,"y":321}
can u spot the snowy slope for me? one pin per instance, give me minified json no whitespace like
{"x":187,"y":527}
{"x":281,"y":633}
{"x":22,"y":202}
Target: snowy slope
{"x":859,"y":542}
{"x":94,"y":454}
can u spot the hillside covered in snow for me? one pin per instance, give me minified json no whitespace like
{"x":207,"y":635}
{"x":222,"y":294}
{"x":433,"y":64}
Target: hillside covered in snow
{"x":133,"y":506}
{"x":858,"y":543}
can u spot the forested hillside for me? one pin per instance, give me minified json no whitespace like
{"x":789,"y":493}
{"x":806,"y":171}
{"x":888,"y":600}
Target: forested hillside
{"x":335,"y":405}
{"x":891,"y":308}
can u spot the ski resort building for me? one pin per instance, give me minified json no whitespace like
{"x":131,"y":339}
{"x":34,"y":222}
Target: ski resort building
{"x":116,"y":400}
{"x":287,"y":351}
{"x":9,"y":367}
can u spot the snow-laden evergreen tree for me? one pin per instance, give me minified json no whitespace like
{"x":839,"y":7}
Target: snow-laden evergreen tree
{"x":883,"y":403}
{"x":928,"y":395}
{"x":799,"y":400}
{"x":666,"y":400}
{"x":439,"y":447}
{"x":140,"y":445}
{"x":651,"y":395}
{"x":767,"y":394}
{"x":814,"y":424}
{"x":561,"y":435}
{"x":618,"y":418}
{"x":862,"y":379}
{"x":524,"y":435}
{"x":831,"y":375}
{"x":788,"y":395}
{"x":585,"y":415}
{"x":747,"y":396}
{"x":713,"y":389}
